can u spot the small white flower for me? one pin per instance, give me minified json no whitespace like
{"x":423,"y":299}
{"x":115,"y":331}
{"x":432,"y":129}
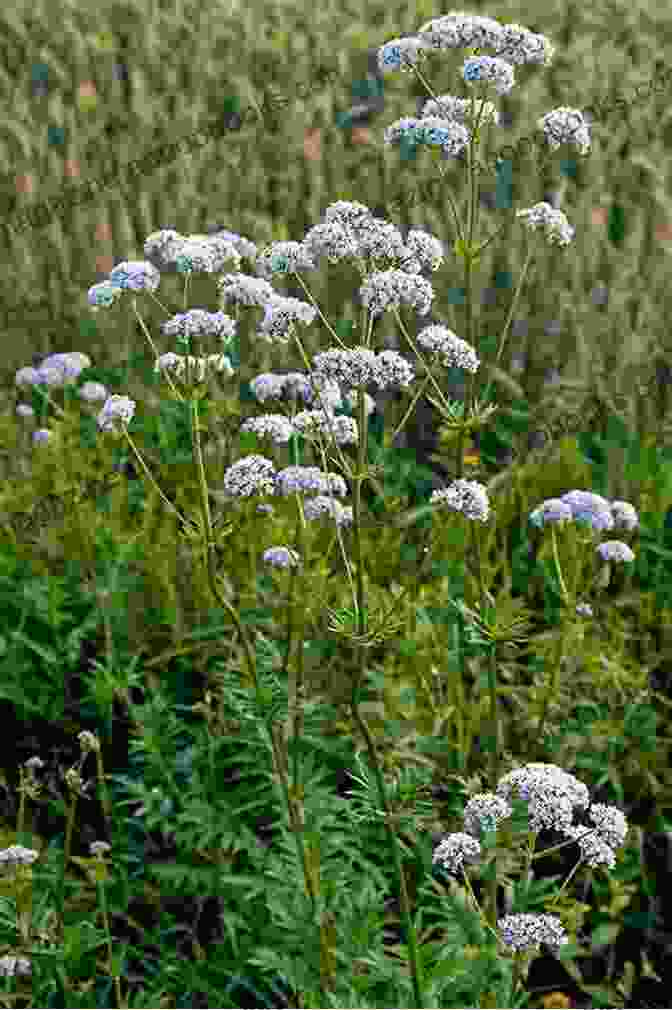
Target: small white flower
{"x":251,"y":475}
{"x":484,"y":811}
{"x":389,"y":289}
{"x":542,"y":216}
{"x":615,"y":550}
{"x":462,"y":109}
{"x":594,"y":849}
{"x":527,"y":930}
{"x":93,"y":391}
{"x":330,"y":239}
{"x":519,"y":45}
{"x":610,"y":822}
{"x":280,"y":316}
{"x":455,"y":353}
{"x":565,"y":126}
{"x":324,"y":505}
{"x":115,"y":409}
{"x":18,"y":855}
{"x":489,"y":70}
{"x":244,"y":290}
{"x":267,"y":386}
{"x":281,"y":557}
{"x":274,"y":426}
{"x":284,"y":258}
{"x":455,"y":850}
{"x":422,"y":251}
{"x":198,"y":322}
{"x":27,"y":376}
{"x":452,"y":137}
{"x":461,"y":31}
{"x":401,"y":54}
{"x":553,"y":510}
{"x":466,"y":496}
{"x":25,"y":410}
{"x":624,"y":514}
{"x":134,"y":275}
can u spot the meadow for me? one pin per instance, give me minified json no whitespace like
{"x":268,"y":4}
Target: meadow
{"x":334,"y":648}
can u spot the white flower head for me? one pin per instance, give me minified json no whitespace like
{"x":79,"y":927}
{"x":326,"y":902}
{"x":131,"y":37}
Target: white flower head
{"x":565,"y":126}
{"x":489,"y":70}
{"x":461,"y":31}
{"x":401,"y":54}
{"x":519,"y":45}
{"x":543,"y":217}
{"x":466,"y":496}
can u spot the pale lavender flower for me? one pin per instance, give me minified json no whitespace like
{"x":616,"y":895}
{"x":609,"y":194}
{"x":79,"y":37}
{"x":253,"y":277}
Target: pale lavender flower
{"x":553,"y":510}
{"x":50,"y":375}
{"x":401,"y":54}
{"x":267,"y":386}
{"x":484,"y":811}
{"x":615,"y":550}
{"x":594,"y":849}
{"x":489,"y":70}
{"x":199,"y":322}
{"x":527,"y":930}
{"x":422,"y":251}
{"x":24,"y":410}
{"x":476,"y":110}
{"x":332,"y":240}
{"x":284,"y":258}
{"x":42,"y":435}
{"x":69,"y":365}
{"x":584,"y":610}
{"x":280,"y":316}
{"x":104,"y":294}
{"x":92,"y":391}
{"x":624,"y":514}
{"x":455,"y":850}
{"x":281,"y":557}
{"x":243,"y":246}
{"x":461,"y":31}
{"x":274,"y":426}
{"x":17,"y":855}
{"x":466,"y":496}
{"x":565,"y":126}
{"x":550,"y":792}
{"x":519,"y":45}
{"x":591,"y":509}
{"x":542,"y":216}
{"x":321,"y":391}
{"x":388,"y":289}
{"x":324,"y":505}
{"x":312,"y":423}
{"x":309,"y":480}
{"x":455,"y":353}
{"x":135,"y":275}
{"x":244,"y":290}
{"x":452,"y":137}
{"x":115,"y":409}
{"x":251,"y":475}
{"x":205,"y":254}
{"x":27,"y":376}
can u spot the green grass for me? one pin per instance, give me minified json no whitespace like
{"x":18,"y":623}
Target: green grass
{"x":113,"y":624}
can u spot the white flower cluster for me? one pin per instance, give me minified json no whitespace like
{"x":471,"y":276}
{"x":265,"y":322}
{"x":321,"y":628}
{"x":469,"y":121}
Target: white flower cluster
{"x":199,"y":323}
{"x":361,"y":366}
{"x":389,"y":289}
{"x":454,"y":352}
{"x":466,"y":496}
{"x":284,"y":258}
{"x":461,"y":109}
{"x":242,"y":289}
{"x":594,"y":511}
{"x":542,"y":216}
{"x":170,"y":251}
{"x":527,"y":930}
{"x":198,"y":368}
{"x":489,"y":70}
{"x":565,"y":126}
